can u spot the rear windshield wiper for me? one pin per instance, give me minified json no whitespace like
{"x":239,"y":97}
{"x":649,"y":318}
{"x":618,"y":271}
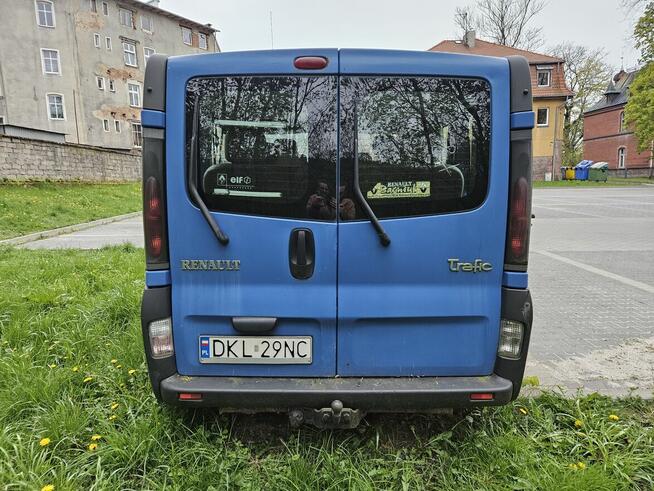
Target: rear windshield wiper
{"x":192,"y":166}
{"x":384,"y":239}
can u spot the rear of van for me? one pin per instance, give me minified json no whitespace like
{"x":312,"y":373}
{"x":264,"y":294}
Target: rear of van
{"x":333,"y":232}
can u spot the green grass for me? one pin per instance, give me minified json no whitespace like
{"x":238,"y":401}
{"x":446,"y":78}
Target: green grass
{"x":65,"y":315}
{"x":612,"y":182}
{"x":36,"y":206}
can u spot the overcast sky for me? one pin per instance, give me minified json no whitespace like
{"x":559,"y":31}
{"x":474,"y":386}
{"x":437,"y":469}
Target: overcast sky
{"x":401,"y":24}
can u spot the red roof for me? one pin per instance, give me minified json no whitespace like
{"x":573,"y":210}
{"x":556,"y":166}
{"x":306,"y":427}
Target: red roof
{"x":485,"y":48}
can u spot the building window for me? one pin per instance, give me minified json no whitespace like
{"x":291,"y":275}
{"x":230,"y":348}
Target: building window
{"x":56,"y":107}
{"x":105,"y":8}
{"x":112,"y":85}
{"x":94,"y":5}
{"x":134,"y":91}
{"x":146,"y":23}
{"x":117,"y":125}
{"x":622,"y":124}
{"x":544,"y":78}
{"x":105,"y":125}
{"x":107,"y":43}
{"x":622,"y":155}
{"x":137,"y":135}
{"x":129,"y":54}
{"x":100,"y":82}
{"x":2,"y":120}
{"x":202,"y":40}
{"x":147,"y":52}
{"x":187,"y":36}
{"x":542,"y":116}
{"x":45,"y":16}
{"x":127,"y":18}
{"x":96,"y":40}
{"x":50,"y":60}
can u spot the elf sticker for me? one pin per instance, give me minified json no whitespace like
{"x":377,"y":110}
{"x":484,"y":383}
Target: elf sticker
{"x":400,"y":189}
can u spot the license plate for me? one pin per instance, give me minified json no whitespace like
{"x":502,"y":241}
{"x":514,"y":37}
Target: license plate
{"x":256,"y":350}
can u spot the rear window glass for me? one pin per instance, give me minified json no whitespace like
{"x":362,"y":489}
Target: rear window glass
{"x":423,"y":144}
{"x":267,"y":144}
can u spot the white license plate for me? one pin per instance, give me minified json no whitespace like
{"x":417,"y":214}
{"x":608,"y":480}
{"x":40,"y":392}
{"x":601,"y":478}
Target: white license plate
{"x":256,"y":350}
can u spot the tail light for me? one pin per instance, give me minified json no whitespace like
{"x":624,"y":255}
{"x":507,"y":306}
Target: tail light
{"x":153,"y":217}
{"x":519,"y":223}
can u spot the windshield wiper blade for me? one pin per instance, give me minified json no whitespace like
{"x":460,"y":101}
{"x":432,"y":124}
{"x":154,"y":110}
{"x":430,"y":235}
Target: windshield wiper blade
{"x":384,"y":239}
{"x":192,"y":166}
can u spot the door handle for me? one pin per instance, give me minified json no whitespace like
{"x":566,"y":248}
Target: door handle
{"x":301,"y":253}
{"x":254,"y":325}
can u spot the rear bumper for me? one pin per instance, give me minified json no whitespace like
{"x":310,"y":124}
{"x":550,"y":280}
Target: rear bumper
{"x":366,"y":394}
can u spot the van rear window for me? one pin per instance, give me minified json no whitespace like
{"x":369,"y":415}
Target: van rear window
{"x":423,"y":143}
{"x":267,"y":144}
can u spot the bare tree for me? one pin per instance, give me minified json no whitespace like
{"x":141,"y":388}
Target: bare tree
{"x":586,"y":74}
{"x":504,"y":22}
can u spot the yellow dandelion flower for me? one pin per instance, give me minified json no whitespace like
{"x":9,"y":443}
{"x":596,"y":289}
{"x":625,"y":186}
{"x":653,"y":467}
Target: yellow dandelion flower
{"x":114,"y":406}
{"x":579,"y":423}
{"x":48,"y":487}
{"x":614,"y":417}
{"x":523,"y":411}
{"x":112,"y":417}
{"x":75,"y":369}
{"x":95,"y":438}
{"x":581,"y":466}
{"x":44,"y":442}
{"x":119,"y":366}
{"x":131,"y":371}
{"x":114,"y":361}
{"x":573,"y":466}
{"x":88,"y":379}
{"x":53,"y":365}
{"x":93,"y":447}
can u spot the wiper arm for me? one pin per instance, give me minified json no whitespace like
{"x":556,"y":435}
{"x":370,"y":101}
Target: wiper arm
{"x":192,"y":166}
{"x":384,"y":239}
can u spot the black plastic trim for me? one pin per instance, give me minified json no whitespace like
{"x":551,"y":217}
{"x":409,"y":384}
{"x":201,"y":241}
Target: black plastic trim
{"x":154,"y":95}
{"x":155,"y":305}
{"x":521,"y":97}
{"x":254,"y":325}
{"x":366,"y":394}
{"x":517,"y":306}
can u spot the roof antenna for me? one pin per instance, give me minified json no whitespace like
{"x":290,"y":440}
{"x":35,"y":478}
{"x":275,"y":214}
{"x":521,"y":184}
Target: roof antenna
{"x":272,"y":39}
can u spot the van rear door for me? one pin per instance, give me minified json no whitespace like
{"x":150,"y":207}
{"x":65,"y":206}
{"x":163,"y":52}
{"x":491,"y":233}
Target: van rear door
{"x":266,"y":169}
{"x":432,"y":133}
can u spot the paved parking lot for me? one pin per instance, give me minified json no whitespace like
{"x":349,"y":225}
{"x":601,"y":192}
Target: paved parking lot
{"x":592,"y":282}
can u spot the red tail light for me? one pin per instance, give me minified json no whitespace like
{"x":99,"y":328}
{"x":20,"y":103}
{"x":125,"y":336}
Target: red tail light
{"x":519,"y":222}
{"x":482,"y":396}
{"x":189,"y":396}
{"x":153,"y":217}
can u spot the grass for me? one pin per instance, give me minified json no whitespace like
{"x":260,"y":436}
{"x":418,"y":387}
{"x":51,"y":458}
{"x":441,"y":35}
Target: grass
{"x":36,"y":206}
{"x":69,"y":336}
{"x":612,"y":182}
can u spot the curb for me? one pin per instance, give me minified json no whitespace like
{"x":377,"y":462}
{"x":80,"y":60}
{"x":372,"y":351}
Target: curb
{"x":23,"y":239}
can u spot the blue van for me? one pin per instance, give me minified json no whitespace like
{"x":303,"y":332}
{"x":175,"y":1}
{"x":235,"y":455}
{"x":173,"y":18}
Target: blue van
{"x":335,"y":232}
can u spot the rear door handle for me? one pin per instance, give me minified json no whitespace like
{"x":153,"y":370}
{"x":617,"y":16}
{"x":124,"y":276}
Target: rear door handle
{"x":301,"y":253}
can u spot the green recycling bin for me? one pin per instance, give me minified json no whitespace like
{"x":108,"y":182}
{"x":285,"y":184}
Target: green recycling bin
{"x":599,"y":171}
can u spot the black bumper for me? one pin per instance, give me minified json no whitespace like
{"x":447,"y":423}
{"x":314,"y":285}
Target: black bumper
{"x":368,"y":394}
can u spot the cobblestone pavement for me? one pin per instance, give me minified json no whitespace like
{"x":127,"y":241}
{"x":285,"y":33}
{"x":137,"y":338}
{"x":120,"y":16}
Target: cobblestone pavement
{"x":592,"y":280}
{"x":591,"y":275}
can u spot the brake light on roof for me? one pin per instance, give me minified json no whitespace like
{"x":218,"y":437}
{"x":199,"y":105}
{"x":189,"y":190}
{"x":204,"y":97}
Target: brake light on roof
{"x":153,"y":218}
{"x":310,"y":62}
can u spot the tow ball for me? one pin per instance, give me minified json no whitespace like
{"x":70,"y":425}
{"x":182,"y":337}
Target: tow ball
{"x":332,"y":417}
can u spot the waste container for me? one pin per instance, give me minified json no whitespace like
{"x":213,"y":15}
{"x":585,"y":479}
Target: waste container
{"x":581,"y":170}
{"x":599,"y":171}
{"x":564,"y":170}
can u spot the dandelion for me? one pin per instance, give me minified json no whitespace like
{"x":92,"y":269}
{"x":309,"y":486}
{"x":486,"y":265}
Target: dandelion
{"x":114,"y":406}
{"x":112,"y":417}
{"x":614,"y":417}
{"x":131,"y":371}
{"x":48,"y":487}
{"x":44,"y":442}
{"x":88,"y":379}
{"x":523,"y":411}
{"x":581,"y":466}
{"x":579,"y":423}
{"x":114,"y":361}
{"x":75,"y":369}
{"x":95,"y":438}
{"x":93,"y":447}
{"x":53,"y":365}
{"x":119,"y":366}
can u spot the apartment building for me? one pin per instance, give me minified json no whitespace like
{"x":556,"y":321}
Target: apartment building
{"x":72,"y":70}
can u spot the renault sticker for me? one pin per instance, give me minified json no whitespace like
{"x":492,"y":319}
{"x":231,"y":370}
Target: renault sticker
{"x":400,"y":189}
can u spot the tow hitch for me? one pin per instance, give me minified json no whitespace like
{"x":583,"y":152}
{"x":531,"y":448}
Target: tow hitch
{"x":333,"y":417}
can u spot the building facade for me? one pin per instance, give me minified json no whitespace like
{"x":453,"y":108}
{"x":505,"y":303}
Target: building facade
{"x":606,"y":136}
{"x":549,"y":91}
{"x":74,"y":69}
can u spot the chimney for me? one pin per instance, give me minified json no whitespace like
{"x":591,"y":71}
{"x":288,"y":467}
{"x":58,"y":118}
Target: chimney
{"x":469,"y":39}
